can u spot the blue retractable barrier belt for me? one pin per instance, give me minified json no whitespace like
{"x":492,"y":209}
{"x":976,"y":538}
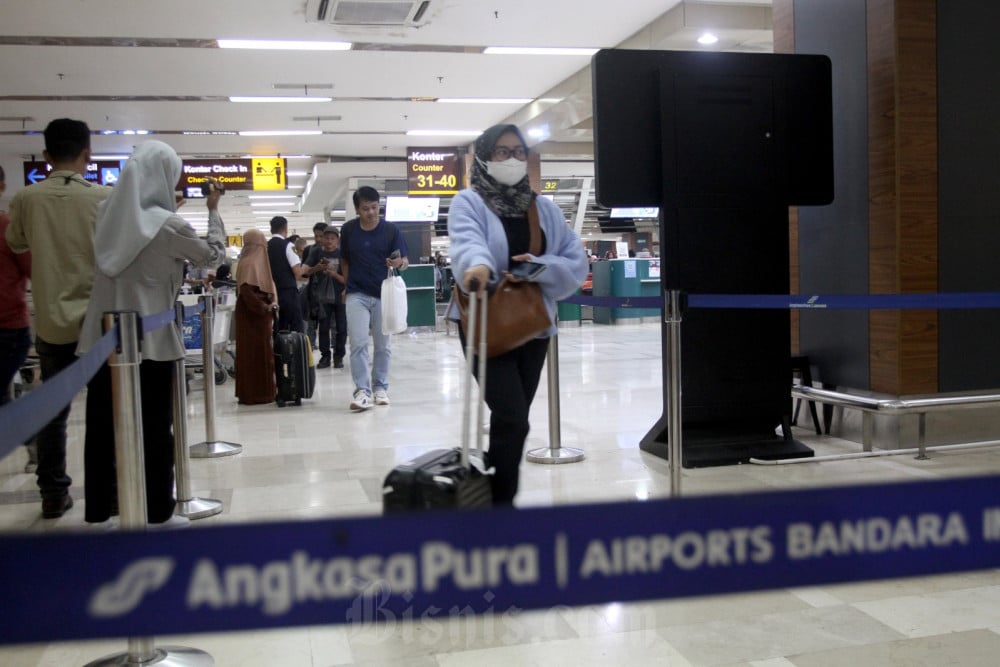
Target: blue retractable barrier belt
{"x":947,"y":300}
{"x":382,"y":569}
{"x":22,"y":419}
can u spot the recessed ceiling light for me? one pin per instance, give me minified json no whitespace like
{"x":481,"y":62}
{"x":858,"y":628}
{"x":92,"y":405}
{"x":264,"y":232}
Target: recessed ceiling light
{"x":278,"y":98}
{"x":484,"y":100}
{"x":278,"y":133}
{"x":285,"y":45}
{"x":443,"y":133}
{"x":538,"y":51}
{"x":707,"y":38}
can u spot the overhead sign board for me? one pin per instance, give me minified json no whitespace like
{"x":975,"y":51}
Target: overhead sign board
{"x":103,"y":172}
{"x":550,"y":185}
{"x":269,"y":173}
{"x":432,"y":171}
{"x":233,"y":174}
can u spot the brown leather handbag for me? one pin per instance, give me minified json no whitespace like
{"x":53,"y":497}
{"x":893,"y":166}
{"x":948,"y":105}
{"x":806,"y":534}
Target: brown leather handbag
{"x":516,"y":312}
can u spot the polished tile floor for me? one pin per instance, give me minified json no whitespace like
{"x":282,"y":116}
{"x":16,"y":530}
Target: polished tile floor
{"x":321,"y":460}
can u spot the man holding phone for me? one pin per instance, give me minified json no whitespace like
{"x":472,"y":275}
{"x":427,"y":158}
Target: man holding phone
{"x":369,"y":245}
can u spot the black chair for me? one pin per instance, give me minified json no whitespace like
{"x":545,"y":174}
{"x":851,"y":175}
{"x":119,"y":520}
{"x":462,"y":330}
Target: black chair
{"x":801,"y":368}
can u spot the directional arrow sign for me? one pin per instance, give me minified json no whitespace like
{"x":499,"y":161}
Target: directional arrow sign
{"x":35,"y":172}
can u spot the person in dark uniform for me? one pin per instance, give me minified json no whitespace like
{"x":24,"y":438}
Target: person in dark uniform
{"x":286,"y":269}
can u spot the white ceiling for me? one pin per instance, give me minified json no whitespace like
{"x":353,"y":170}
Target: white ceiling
{"x":141,"y":65}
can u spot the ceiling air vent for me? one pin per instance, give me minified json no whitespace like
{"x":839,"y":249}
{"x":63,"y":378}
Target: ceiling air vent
{"x":367,"y":12}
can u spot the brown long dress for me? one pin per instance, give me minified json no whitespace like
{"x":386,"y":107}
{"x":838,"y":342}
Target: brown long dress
{"x":254,"y":348}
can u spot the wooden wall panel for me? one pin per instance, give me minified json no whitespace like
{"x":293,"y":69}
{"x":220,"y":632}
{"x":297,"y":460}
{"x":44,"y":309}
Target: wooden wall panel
{"x":902,"y":131}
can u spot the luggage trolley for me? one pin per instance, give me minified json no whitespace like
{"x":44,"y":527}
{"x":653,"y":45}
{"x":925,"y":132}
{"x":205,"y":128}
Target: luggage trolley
{"x":193,"y":357}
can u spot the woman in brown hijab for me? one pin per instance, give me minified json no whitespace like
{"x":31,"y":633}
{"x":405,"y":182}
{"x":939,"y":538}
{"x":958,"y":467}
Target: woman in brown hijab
{"x":255,"y":310}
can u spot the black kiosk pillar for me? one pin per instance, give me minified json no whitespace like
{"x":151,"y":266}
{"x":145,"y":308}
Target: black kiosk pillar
{"x":723,"y":143}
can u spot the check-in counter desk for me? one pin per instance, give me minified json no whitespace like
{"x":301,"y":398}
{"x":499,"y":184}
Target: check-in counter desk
{"x":624,"y":278}
{"x":420,"y":310}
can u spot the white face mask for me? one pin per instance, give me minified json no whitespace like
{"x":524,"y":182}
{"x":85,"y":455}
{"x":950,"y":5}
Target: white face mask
{"x":508,"y":172}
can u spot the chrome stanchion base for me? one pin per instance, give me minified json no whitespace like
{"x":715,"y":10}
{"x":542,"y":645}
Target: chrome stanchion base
{"x":549,"y":455}
{"x":198,"y":508}
{"x":211,"y":450}
{"x":166,"y":656}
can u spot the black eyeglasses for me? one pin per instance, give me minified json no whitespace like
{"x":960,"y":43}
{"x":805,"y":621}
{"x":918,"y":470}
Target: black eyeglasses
{"x":503,"y":153}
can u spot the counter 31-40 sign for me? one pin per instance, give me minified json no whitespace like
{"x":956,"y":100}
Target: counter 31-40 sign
{"x":432,"y":171}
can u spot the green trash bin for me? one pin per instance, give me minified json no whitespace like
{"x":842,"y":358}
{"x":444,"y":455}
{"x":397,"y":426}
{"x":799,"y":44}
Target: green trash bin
{"x":569,"y":313}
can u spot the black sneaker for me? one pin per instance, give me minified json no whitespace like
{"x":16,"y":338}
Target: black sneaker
{"x":323,"y":363}
{"x":55,"y":507}
{"x":338,"y":362}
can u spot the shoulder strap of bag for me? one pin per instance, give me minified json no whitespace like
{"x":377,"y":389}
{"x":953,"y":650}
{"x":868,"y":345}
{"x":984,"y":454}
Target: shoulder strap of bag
{"x":534,"y":230}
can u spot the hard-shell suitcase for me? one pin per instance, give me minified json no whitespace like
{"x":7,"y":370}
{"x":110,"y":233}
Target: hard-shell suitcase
{"x":294,"y":369}
{"x":449,"y":478}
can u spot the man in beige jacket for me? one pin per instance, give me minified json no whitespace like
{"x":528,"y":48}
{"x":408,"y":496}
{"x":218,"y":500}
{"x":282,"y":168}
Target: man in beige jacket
{"x":55,"y":220}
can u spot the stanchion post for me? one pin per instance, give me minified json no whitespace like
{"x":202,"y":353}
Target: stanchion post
{"x":922,"y":437}
{"x":672,"y":312}
{"x":187,"y":505}
{"x":210,"y":448}
{"x":130,"y":470}
{"x":555,"y":452}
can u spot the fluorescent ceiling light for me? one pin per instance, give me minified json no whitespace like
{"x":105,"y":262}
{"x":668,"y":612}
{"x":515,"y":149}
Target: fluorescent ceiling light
{"x":484,"y":100}
{"x":536,"y":133}
{"x":708,"y":38}
{"x":294,"y":187}
{"x":94,"y":158}
{"x":538,"y":51}
{"x":443,"y":133}
{"x":279,"y":133}
{"x":209,"y":132}
{"x":296,"y":173}
{"x":283,"y":45}
{"x":278,"y":98}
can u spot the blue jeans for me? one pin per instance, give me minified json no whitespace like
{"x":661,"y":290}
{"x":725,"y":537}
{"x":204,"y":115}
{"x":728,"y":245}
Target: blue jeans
{"x":364,"y":320}
{"x":14,"y":344}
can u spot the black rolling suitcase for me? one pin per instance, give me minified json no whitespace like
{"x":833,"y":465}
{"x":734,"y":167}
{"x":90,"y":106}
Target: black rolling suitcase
{"x":449,"y":478}
{"x":294,"y":369}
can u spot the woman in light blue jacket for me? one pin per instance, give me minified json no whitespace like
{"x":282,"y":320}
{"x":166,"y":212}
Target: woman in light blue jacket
{"x":489,"y":234}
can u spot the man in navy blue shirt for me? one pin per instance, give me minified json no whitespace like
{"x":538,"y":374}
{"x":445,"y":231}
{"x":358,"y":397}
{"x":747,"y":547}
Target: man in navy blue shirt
{"x":369,"y":245}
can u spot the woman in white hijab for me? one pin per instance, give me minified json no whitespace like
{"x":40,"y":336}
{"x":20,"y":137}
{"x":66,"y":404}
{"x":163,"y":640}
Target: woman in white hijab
{"x":140,"y":244}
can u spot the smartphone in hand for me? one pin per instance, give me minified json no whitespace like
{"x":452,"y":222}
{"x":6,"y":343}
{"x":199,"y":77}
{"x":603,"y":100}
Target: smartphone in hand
{"x":527,"y":270}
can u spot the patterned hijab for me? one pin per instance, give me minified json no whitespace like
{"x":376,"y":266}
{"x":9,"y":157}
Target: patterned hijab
{"x":504,"y":200}
{"x":254,"y":267}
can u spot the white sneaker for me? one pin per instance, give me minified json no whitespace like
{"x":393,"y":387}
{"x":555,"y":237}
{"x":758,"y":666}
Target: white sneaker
{"x":362,"y":401}
{"x":175,"y":521}
{"x":108,"y":525}
{"x":381,"y":397}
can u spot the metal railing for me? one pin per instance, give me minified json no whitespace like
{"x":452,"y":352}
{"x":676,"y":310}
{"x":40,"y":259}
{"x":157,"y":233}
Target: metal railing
{"x":870,"y":406}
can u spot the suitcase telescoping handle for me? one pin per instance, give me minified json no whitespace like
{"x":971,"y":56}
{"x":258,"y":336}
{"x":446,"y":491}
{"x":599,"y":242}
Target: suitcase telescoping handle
{"x":470,"y":358}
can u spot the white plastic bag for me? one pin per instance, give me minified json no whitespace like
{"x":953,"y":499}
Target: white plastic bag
{"x":393,"y":304}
